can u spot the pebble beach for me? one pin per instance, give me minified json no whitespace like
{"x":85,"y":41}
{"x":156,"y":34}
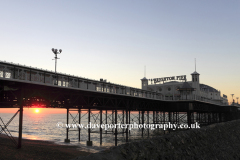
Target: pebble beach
{"x":37,"y":150}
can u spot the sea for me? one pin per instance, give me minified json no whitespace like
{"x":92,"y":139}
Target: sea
{"x":45,"y":127}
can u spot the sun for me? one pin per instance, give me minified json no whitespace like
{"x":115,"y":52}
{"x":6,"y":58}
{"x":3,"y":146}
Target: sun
{"x":36,"y":110}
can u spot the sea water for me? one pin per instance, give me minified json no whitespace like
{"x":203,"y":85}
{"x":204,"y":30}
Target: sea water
{"x":44,"y":127}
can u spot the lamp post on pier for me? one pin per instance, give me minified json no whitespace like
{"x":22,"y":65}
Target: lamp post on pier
{"x":56,"y":52}
{"x":232,"y":98}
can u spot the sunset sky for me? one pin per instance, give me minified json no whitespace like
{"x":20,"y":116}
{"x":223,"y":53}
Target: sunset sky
{"x":114,"y":40}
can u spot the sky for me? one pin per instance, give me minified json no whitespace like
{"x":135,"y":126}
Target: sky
{"x":114,"y":40}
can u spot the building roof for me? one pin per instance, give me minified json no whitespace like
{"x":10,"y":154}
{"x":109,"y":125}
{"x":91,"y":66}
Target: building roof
{"x":186,"y":87}
{"x":207,"y":88}
{"x":144,"y":78}
{"x":195,"y":73}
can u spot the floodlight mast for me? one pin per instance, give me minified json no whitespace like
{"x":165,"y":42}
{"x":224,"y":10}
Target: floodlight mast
{"x":232,"y":97}
{"x":55,"y":51}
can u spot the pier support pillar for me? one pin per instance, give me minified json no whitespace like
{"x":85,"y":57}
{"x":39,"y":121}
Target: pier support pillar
{"x":142,"y":122}
{"x":20,"y":127}
{"x":127,"y":125}
{"x":176,"y":117}
{"x":89,"y":142}
{"x":153,"y":117}
{"x":139,"y":117}
{"x":220,"y":117}
{"x":169,"y":117}
{"x":112,"y":119}
{"x":79,"y":120}
{"x":189,"y":117}
{"x":123,"y":121}
{"x":129,"y":119}
{"x":209,"y":118}
{"x":106,"y":120}
{"x":156,"y":117}
{"x":148,"y":122}
{"x":100,"y":127}
{"x":67,"y":130}
{"x":116,"y":132}
{"x":164,"y":120}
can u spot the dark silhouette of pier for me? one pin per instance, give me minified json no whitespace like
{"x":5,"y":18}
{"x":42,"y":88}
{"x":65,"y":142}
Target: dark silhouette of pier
{"x":22,"y":86}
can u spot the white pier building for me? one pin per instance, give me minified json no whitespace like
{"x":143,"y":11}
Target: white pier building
{"x":178,"y":88}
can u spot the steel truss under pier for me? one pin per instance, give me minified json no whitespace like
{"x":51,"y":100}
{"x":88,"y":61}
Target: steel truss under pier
{"x":105,"y":108}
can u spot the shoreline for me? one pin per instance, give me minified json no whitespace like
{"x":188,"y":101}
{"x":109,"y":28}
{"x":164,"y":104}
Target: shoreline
{"x":38,"y":149}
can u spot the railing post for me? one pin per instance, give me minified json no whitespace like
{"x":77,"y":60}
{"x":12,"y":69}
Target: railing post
{"x":44,"y":76}
{"x":30,"y":75}
{"x":14,"y":72}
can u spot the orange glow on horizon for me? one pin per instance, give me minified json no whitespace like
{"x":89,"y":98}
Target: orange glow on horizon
{"x":33,"y":110}
{"x":44,"y":111}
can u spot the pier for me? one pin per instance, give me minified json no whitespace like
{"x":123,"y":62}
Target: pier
{"x":24,"y":86}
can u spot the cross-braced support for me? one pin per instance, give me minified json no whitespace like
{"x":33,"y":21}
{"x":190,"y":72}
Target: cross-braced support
{"x":3,"y":128}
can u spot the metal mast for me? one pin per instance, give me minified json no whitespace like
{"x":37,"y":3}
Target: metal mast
{"x":55,"y":51}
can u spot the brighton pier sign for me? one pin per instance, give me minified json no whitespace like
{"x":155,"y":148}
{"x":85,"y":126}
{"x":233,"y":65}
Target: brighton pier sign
{"x":173,"y":78}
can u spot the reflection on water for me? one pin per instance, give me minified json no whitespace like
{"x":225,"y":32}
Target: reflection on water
{"x":32,"y":137}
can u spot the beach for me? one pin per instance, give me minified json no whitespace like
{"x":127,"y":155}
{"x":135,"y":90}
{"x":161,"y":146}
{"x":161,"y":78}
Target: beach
{"x":36,"y":149}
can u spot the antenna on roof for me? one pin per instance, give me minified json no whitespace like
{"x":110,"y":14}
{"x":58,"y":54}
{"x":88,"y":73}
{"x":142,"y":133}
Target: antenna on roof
{"x":195,"y":64}
{"x":144,"y":71}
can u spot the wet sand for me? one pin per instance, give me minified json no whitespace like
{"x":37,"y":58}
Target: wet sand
{"x":36,"y":150}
